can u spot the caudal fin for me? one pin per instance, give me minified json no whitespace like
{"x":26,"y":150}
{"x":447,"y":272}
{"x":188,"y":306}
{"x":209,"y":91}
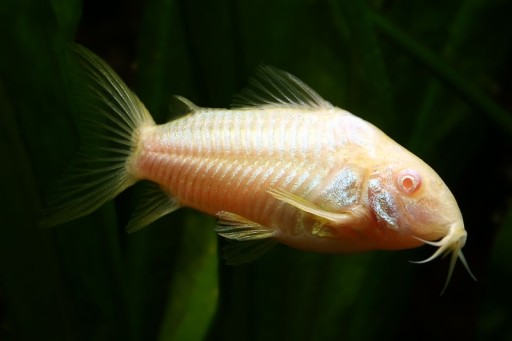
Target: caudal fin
{"x":111,"y":116}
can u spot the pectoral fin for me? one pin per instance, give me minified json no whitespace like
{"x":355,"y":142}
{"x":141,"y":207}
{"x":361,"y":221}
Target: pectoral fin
{"x":307,"y":206}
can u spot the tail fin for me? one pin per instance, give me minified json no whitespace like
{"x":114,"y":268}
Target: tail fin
{"x":112,"y":115}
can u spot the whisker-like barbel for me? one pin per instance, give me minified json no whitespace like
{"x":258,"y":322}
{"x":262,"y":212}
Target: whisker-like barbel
{"x":452,"y":243}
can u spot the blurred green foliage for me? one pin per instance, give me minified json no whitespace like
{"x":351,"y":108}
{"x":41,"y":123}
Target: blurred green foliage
{"x":434,"y":75}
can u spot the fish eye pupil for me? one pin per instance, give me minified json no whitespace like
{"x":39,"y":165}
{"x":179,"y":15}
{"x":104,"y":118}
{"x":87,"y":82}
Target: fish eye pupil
{"x":409,"y":181}
{"x":408,"y":184}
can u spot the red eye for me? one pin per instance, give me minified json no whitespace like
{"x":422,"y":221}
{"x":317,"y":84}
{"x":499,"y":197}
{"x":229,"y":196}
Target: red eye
{"x":409,"y":181}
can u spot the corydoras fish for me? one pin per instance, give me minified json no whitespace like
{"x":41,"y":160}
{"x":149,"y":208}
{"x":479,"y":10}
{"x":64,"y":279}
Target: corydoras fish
{"x":283,"y":165}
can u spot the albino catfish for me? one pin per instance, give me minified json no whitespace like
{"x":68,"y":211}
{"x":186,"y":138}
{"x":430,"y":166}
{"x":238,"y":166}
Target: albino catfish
{"x":283,"y":165}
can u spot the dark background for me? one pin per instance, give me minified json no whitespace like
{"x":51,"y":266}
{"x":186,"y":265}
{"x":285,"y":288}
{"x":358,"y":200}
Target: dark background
{"x":434,"y":75}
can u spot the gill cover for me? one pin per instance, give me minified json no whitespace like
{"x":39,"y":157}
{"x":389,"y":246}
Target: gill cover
{"x":382,"y":203}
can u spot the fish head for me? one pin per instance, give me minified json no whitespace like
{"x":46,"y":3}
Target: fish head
{"x":414,"y":201}
{"x":409,"y":198}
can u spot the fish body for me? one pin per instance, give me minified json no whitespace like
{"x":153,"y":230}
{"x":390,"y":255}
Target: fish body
{"x":229,"y":160}
{"x":283,"y":165}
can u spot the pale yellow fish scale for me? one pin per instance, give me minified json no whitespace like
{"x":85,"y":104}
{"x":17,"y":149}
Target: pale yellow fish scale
{"x":212,"y":185}
{"x":206,"y":168}
{"x":268,"y":132}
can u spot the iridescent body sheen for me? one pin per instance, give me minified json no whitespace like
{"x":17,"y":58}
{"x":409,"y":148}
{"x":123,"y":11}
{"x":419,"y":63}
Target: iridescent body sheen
{"x":228,"y":160}
{"x":283,"y":166}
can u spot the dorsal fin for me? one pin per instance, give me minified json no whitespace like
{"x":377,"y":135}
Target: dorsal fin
{"x":273,"y":87}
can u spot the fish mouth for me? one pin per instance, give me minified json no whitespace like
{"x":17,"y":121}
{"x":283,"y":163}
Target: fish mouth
{"x":452,"y":243}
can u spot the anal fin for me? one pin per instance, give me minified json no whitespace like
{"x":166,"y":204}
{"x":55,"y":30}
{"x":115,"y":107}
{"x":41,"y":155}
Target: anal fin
{"x":155,"y":203}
